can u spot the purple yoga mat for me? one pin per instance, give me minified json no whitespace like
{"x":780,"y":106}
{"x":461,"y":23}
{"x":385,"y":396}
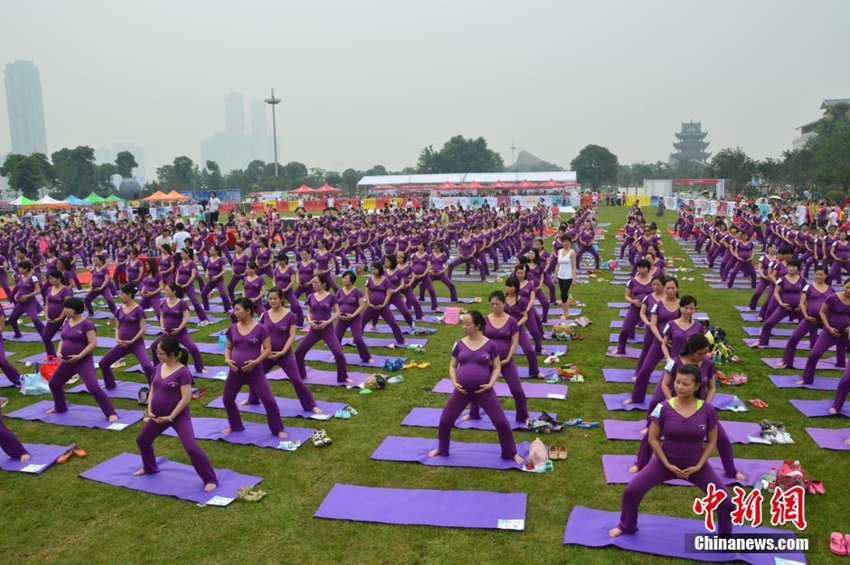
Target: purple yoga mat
{"x":41,"y":458}
{"x":532,"y":390}
{"x":777,"y":332}
{"x":831,"y":438}
{"x":615,"y":338}
{"x":385,"y":329}
{"x":174,"y":479}
{"x":545,"y":372}
{"x":430,"y":418}
{"x":155,"y":330}
{"x":790,"y":381}
{"x":4,"y":381}
{"x":736,"y":286}
{"x":818,"y":408}
{"x":753,"y":317}
{"x":123,"y":389}
{"x":212,"y":371}
{"x":77,"y":415}
{"x":460,"y":300}
{"x":631,"y":353}
{"x":629,"y":430}
{"x":472,"y":279}
{"x":618,"y":305}
{"x":616,"y":469}
{"x":321,"y":378}
{"x":776,"y":344}
{"x":253,"y":434}
{"x":745,"y":309}
{"x":443,"y":508}
{"x":289,"y":407}
{"x":461,"y":454}
{"x":659,"y":535}
{"x":625,"y":376}
{"x":325,"y":356}
{"x":618,"y":281}
{"x":720,"y":402}
{"x":26,"y":337}
{"x":387,"y":342}
{"x":617,"y":324}
{"x":800,"y":363}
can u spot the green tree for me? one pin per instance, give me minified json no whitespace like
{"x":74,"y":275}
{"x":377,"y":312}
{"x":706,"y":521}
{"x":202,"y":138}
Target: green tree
{"x":213,"y":180}
{"x":595,"y":165}
{"x":294,"y":170}
{"x":126,"y":162}
{"x":376,"y":171}
{"x":798,"y":166}
{"x":28,"y":173}
{"x":254,"y":173}
{"x":185,"y":172}
{"x":460,"y":155}
{"x":831,"y":149}
{"x":733,"y":165}
{"x":76,"y":171}
{"x":104,"y":173}
{"x":350,"y":178}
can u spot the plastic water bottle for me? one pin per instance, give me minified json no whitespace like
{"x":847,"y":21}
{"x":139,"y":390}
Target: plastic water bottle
{"x":771,"y":479}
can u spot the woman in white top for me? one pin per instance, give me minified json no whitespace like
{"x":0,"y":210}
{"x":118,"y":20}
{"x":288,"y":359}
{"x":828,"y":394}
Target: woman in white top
{"x":566,"y":271}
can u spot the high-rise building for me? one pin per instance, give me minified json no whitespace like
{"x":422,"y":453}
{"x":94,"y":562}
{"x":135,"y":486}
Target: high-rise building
{"x":26,"y":108}
{"x":234,"y":113}
{"x":262,"y":141}
{"x":690,"y":145}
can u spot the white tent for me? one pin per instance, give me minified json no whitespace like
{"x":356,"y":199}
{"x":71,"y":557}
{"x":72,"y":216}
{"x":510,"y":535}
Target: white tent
{"x":48,"y":201}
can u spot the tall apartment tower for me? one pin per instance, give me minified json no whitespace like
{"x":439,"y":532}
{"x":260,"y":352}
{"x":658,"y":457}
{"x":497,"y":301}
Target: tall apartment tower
{"x":234,"y":113}
{"x":26,"y":108}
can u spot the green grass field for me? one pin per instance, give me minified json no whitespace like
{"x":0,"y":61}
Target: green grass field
{"x":60,"y":517}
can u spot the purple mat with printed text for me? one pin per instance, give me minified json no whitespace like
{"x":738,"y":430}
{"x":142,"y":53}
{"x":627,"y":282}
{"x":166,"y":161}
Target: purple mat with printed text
{"x":441,"y":508}
{"x":123,"y":389}
{"x":41,"y":458}
{"x":253,"y":434}
{"x":430,"y":418}
{"x":174,"y":479}
{"x":461,"y":454}
{"x":289,"y":407}
{"x":77,"y":415}
{"x":532,"y":390}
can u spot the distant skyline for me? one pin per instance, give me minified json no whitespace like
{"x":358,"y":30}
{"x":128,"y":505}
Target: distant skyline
{"x":373,"y":81}
{"x":25,"y":108}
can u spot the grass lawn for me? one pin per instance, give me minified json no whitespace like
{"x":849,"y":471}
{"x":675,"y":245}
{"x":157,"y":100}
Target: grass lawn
{"x":60,"y":517}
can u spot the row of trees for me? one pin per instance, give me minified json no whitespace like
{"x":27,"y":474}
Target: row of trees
{"x":67,"y":172}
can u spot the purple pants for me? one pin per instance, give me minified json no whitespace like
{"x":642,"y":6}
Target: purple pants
{"x":84,"y":368}
{"x":186,"y":341}
{"x":588,"y":249}
{"x":629,"y":325}
{"x":30,"y":308}
{"x":841,"y":393}
{"x":71,"y":276}
{"x":8,"y":369}
{"x":259,"y":386}
{"x":544,"y":303}
{"x":654,"y":474}
{"x":329,"y":337}
{"x":106,"y":294}
{"x":644,"y":371}
{"x":446,"y":281}
{"x":412,"y":302}
{"x":219,"y":286}
{"x":529,"y":352}
{"x":766,"y":308}
{"x":9,"y":442}
{"x":748,"y":270}
{"x":762,"y":285}
{"x":469,"y":261}
{"x":356,"y":326}
{"x":535,"y":328}
{"x":803,"y":328}
{"x":193,"y":298}
{"x":835,"y":271}
{"x":370,"y":315}
{"x":511,"y":376}
{"x":648,"y":340}
{"x":426,"y":285}
{"x":231,"y":286}
{"x":397,"y":300}
{"x":137,"y":349}
{"x":183,"y":426}
{"x":824,"y":342}
{"x":779,"y":313}
{"x":50,"y":330}
{"x":155,"y":303}
{"x":287,"y":363}
{"x":4,"y":284}
{"x":490,"y":403}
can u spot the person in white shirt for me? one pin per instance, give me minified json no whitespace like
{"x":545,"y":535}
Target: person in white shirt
{"x":566,"y":272}
{"x":832,"y":218}
{"x":212,"y":208}
{"x":163,"y":239}
{"x":180,"y":238}
{"x":330,"y":202}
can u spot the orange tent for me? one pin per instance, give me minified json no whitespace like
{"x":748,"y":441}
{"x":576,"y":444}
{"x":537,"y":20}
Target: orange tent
{"x":176,"y":196}
{"x":157,"y":196}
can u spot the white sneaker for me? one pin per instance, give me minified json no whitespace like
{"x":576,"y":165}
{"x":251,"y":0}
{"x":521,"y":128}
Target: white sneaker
{"x":203,"y":323}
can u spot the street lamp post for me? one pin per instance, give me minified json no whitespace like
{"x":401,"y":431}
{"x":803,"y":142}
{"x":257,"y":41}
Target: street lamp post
{"x":274,"y":102}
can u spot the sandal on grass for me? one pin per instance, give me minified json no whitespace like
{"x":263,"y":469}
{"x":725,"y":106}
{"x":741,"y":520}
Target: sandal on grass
{"x":320,"y":438}
{"x":246,"y":494}
{"x":573,"y":422}
{"x":588,"y":425}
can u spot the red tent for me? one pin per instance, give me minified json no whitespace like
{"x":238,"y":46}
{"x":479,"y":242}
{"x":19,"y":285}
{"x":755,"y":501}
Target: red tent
{"x":498,"y":185}
{"x":303,"y":189}
{"x":327,"y":189}
{"x":526,"y":184}
{"x":447,"y":186}
{"x":471,"y":186}
{"x":551,"y":184}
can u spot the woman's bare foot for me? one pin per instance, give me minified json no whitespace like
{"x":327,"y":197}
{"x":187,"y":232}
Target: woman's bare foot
{"x":139,"y":473}
{"x":832,"y":410}
{"x":243,"y":403}
{"x":518,"y":459}
{"x":634,"y":469}
{"x":643,"y":431}
{"x":801,"y":382}
{"x":112,"y":417}
{"x":204,"y":371}
{"x":50,"y":411}
{"x":433,"y":453}
{"x":627,"y":401}
{"x":317,"y":410}
{"x":282,"y":435}
{"x":781,"y":365}
{"x":25,"y":457}
{"x":615,"y":532}
{"x":209,"y":487}
{"x":847,"y":441}
{"x":465,"y":418}
{"x":350,"y":381}
{"x":759,"y":319}
{"x":226,"y":431}
{"x":371,"y":361}
{"x":740,"y":476}
{"x":634,"y":378}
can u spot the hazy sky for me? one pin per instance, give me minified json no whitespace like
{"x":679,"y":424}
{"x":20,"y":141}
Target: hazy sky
{"x":366,"y":82}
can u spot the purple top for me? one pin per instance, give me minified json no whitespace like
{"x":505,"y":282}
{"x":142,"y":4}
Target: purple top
{"x":55,"y":301}
{"x":790,"y":292}
{"x":815,"y":299}
{"x":214,"y":267}
{"x":665,"y":316}
{"x":184,"y":272}
{"x":349,"y":303}
{"x":438,"y":262}
{"x":639,"y":290}
{"x":474,"y":367}
{"x":26,"y":286}
{"x":283,"y":278}
{"x":305,"y":272}
{"x":74,"y":338}
{"x":420,"y":264}
{"x":129,"y":323}
{"x":683,"y":437}
{"x":278,"y":331}
{"x":239,"y":265}
{"x":134,"y":269}
{"x":378,"y":292}
{"x":173,"y":315}
{"x":321,"y":310}
{"x":838,"y":313}
{"x":252,"y":289}
{"x":678,"y":336}
{"x":151,"y":283}
{"x":166,"y":391}
{"x":246,"y":348}
{"x":166,"y":262}
{"x":501,"y":336}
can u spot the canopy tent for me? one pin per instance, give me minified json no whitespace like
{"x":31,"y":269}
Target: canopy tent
{"x":94,"y":199}
{"x":471,"y":186}
{"x":75,"y":201}
{"x":7,"y":207}
{"x":48,"y":202}
{"x":447,"y":186}
{"x":303,"y":189}
{"x":175,"y":196}
{"x":327,"y":189}
{"x":114,"y":198}
{"x":22,"y":201}
{"x":158,"y":196}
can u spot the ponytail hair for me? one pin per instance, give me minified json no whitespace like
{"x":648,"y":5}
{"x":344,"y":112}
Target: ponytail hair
{"x":178,"y":290}
{"x":170,"y":346}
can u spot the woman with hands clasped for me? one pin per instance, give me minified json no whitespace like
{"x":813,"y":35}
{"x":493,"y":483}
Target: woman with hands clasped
{"x":474,"y":368}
